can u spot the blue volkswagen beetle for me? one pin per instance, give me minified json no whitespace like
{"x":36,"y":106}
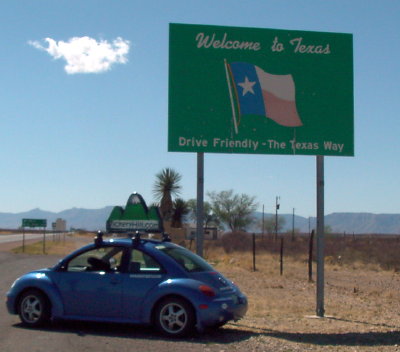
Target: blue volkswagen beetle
{"x":130,"y":280}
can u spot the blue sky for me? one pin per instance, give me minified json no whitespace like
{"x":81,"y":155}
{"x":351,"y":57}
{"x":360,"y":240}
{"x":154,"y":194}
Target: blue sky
{"x":76,"y":139}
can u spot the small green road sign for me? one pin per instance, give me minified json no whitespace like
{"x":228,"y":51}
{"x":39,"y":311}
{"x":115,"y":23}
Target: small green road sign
{"x":34,"y":223}
{"x":260,"y":91}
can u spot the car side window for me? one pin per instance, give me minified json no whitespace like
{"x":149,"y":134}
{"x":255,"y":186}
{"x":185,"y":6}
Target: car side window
{"x":142,"y":263}
{"x":107,"y":259}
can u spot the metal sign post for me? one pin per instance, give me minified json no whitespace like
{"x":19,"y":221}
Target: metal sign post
{"x":23,"y":240}
{"x":34,"y":223}
{"x":44,"y":240}
{"x":200,"y":205}
{"x":261,"y":91}
{"x":320,"y":236}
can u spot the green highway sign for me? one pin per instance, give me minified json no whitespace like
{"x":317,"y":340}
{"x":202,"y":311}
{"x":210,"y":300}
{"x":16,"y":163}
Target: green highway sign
{"x":260,"y":91}
{"x":34,"y":223}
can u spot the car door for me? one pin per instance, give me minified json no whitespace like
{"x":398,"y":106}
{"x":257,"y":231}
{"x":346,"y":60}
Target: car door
{"x":91,"y":284}
{"x":144,"y":273}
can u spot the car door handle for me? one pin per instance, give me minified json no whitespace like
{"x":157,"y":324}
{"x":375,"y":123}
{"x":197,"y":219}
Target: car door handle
{"x":115,"y":282}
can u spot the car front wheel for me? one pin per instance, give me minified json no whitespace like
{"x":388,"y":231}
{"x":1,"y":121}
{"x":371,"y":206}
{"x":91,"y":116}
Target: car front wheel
{"x":33,"y":308}
{"x":175,"y":317}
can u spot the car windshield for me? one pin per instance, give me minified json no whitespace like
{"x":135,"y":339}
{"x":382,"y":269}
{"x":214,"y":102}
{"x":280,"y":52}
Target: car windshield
{"x":188,"y":260}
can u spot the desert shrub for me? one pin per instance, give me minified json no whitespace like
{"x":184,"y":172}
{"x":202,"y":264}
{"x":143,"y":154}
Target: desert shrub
{"x":380,"y":250}
{"x":367,"y":249}
{"x":236,"y":241}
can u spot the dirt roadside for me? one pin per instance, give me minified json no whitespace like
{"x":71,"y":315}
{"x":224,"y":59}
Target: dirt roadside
{"x":8,"y":246}
{"x":362,"y":314}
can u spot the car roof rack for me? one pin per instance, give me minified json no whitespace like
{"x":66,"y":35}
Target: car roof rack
{"x":98,"y":240}
{"x":135,"y":238}
{"x":166,"y":237}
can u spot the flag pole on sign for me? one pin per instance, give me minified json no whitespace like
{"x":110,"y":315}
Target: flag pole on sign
{"x":231,"y":97}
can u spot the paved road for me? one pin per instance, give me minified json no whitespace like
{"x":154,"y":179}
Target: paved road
{"x":17,"y":237}
{"x":67,"y":337}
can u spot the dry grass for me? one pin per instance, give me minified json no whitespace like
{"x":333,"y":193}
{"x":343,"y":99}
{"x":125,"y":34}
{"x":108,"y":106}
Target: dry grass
{"x":58,"y":244}
{"x":362,"y":286}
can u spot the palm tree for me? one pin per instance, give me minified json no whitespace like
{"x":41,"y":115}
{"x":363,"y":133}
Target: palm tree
{"x":166,"y":186}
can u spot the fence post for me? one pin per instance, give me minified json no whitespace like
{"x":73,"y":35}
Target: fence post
{"x":281,"y":257}
{"x":44,"y":241}
{"x":254,"y":251}
{"x":23,"y":240}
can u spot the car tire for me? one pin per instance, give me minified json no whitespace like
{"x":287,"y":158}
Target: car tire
{"x":175,"y":317}
{"x":34,"y":308}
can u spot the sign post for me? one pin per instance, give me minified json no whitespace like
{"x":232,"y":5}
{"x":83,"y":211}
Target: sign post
{"x":200,"y":205}
{"x":261,"y":91}
{"x":34,"y":223}
{"x":23,"y":240}
{"x":320,"y":236}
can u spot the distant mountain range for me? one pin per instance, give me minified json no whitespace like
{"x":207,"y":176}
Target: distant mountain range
{"x":95,"y":219}
{"x":349,"y":223}
{"x":77,"y":218}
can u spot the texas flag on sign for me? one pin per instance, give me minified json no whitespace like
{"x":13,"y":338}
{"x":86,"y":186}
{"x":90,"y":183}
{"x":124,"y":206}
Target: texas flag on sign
{"x":261,"y":93}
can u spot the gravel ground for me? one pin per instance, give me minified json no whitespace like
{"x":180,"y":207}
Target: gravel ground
{"x":362,"y":310}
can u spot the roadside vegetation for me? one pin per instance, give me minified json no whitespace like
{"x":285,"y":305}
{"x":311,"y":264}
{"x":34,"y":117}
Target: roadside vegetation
{"x":224,"y":209}
{"x":232,"y":211}
{"x":375,"y":252}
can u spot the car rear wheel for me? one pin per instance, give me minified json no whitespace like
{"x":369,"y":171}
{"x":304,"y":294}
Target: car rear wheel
{"x":175,"y":317}
{"x":34,"y":308}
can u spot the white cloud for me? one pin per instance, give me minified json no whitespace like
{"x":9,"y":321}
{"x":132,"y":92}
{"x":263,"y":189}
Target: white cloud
{"x":85,"y":54}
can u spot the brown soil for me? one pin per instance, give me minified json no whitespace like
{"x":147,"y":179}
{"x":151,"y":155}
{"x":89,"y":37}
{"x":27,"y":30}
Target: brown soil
{"x":361,"y":305}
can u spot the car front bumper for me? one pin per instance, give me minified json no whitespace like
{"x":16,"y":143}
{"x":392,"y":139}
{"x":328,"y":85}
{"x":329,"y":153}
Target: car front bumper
{"x":10,"y":303}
